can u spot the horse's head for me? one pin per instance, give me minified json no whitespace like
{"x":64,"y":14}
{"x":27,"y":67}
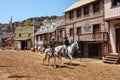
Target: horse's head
{"x":75,"y":44}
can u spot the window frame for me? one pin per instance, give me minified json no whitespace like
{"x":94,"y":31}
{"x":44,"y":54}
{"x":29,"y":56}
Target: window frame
{"x":71,"y":32}
{"x":71,"y":14}
{"x":97,"y":28}
{"x":79,"y":12}
{"x":61,"y":33}
{"x":20,"y":35}
{"x":79,"y":30}
{"x":96,"y":7}
{"x":86,"y":10}
{"x":29,"y":34}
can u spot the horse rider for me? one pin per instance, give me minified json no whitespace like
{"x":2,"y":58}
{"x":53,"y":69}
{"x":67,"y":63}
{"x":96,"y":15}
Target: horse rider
{"x":66,"y":44}
{"x":52,"y":44}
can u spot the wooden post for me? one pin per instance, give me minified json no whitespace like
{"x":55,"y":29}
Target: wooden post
{"x":73,"y":32}
{"x":65,"y":25}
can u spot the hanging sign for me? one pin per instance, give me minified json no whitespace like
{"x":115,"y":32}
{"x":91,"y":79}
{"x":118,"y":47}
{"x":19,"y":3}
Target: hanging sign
{"x":87,"y":29}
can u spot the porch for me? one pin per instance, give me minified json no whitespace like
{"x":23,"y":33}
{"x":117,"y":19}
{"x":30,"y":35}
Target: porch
{"x":94,"y":45}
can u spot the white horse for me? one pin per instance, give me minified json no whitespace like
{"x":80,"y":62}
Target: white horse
{"x":59,"y":51}
{"x":49,"y":53}
{"x":70,"y":52}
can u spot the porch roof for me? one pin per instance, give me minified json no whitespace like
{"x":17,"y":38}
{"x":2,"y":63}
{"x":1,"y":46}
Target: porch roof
{"x":45,"y":31}
{"x":58,"y":23}
{"x":22,"y":38}
{"x":78,"y":4}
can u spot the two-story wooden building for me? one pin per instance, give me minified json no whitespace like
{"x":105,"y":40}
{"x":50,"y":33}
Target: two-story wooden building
{"x":49,"y":30}
{"x":112,"y":16}
{"x":85,"y":23}
{"x":24,"y":38}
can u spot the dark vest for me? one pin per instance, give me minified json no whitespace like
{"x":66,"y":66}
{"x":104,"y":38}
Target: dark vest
{"x":66,"y":42}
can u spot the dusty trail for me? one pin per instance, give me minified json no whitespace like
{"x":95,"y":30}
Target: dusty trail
{"x":26,"y":65}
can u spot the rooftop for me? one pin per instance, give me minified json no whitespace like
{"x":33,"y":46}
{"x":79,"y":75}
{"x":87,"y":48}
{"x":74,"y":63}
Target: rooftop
{"x":78,"y":4}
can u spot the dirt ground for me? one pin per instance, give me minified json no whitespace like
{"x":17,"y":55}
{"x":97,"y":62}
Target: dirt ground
{"x":26,"y":65}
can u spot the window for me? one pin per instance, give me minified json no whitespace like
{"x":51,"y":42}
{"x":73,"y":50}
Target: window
{"x":96,"y":28}
{"x":71,"y":15}
{"x":61,"y":33}
{"x":28,"y":34}
{"x":19,"y":34}
{"x":86,"y":10}
{"x":71,"y":32}
{"x":36,"y":38}
{"x":78,"y":30}
{"x":115,"y":2}
{"x":96,"y":7}
{"x":78,"y":12}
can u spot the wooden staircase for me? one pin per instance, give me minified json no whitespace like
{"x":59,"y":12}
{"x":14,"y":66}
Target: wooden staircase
{"x":112,"y":58}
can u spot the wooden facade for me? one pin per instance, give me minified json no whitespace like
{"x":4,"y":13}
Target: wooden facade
{"x":112,"y":16}
{"x":49,"y":30}
{"x":85,"y":23}
{"x":24,"y":38}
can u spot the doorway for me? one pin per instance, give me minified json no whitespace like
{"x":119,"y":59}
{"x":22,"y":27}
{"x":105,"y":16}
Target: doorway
{"x":93,"y":50}
{"x":24,"y":45}
{"x":118,"y":40}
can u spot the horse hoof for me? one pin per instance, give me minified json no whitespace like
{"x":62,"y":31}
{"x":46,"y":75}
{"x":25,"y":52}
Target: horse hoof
{"x":54,"y":66}
{"x":69,"y":63}
{"x":49,"y":65}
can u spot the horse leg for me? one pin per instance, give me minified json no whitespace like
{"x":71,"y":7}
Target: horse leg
{"x":44,"y":58}
{"x":71,"y":58}
{"x":48,"y":60}
{"x":60,"y":59}
{"x":54,"y":61}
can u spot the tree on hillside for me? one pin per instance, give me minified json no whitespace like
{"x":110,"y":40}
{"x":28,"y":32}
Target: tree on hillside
{"x":28,"y":23}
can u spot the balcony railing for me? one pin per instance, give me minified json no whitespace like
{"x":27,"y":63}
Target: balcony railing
{"x":42,"y":42}
{"x":100,"y":36}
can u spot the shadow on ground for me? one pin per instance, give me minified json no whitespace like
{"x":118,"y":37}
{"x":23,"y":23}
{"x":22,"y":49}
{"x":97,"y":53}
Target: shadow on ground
{"x":16,"y":76}
{"x":4,"y":66}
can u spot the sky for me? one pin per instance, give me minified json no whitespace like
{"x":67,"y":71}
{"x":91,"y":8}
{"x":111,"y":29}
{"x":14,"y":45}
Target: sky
{"x":24,"y":9}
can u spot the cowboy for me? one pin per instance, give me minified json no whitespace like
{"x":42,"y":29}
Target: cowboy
{"x":52,"y":44}
{"x":66,"y":44}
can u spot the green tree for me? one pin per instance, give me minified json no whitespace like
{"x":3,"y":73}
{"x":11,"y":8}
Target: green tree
{"x":28,"y":23}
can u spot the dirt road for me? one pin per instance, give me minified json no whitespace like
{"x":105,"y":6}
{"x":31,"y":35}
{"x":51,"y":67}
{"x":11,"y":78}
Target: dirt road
{"x":26,"y":65}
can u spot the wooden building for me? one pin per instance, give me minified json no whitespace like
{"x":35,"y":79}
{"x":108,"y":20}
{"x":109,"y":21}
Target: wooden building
{"x":112,"y":16}
{"x":24,"y":38}
{"x":85,"y":23}
{"x":48,"y":30}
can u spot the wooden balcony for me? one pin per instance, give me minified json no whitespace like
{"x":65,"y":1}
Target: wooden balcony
{"x":100,"y":36}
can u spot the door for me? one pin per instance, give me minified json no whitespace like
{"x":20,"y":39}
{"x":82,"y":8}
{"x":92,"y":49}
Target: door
{"x":93,"y":50}
{"x":24,"y":45}
{"x":118,"y":40}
